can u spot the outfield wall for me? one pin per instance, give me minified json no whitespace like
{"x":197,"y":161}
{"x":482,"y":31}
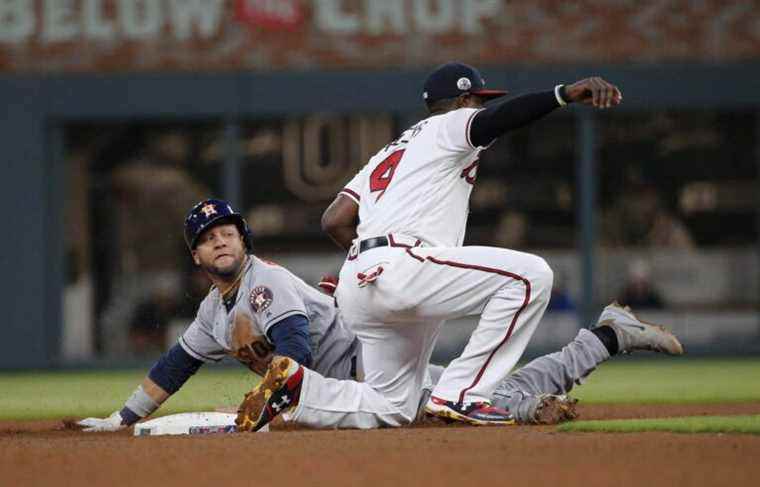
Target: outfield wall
{"x":34,"y":185}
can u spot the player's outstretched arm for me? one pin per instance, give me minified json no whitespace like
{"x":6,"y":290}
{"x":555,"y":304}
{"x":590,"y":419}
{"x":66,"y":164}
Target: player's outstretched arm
{"x":145,"y":400}
{"x":340,"y":219}
{"x":502,"y":117}
{"x":165,"y":378}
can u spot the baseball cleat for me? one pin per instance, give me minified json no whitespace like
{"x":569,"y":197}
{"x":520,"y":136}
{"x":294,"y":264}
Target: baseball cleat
{"x":279,"y":391}
{"x":633,"y":334}
{"x":554,"y":409}
{"x":476,"y":413}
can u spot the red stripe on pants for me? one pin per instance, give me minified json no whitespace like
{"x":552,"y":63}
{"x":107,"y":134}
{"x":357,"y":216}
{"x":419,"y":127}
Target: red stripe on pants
{"x":514,"y":319}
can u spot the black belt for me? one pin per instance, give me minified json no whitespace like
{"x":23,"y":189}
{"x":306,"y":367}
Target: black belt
{"x":371,"y":243}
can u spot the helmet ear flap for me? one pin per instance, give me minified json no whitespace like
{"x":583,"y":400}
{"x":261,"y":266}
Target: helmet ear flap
{"x":245,"y":232}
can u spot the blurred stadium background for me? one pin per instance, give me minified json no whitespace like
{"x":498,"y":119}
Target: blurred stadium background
{"x":118,"y":115}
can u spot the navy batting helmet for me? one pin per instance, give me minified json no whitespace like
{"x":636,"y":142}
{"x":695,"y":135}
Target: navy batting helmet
{"x":212,"y":212}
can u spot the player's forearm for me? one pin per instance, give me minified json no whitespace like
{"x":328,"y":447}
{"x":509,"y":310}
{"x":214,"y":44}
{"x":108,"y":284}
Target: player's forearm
{"x":340,"y":219}
{"x":143,"y":402}
{"x":499,"y":118}
{"x":154,"y":391}
{"x":343,"y":236}
{"x":291,"y":339}
{"x":165,"y":378}
{"x":142,"y":407}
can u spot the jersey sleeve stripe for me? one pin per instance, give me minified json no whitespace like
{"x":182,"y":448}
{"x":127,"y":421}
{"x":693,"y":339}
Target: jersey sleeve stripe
{"x":351,"y":194}
{"x":276,"y":319}
{"x":467,"y":129}
{"x":196,"y":354}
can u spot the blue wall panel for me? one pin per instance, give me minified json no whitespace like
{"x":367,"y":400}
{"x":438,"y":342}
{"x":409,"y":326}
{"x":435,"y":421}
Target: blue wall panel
{"x":33,"y":181}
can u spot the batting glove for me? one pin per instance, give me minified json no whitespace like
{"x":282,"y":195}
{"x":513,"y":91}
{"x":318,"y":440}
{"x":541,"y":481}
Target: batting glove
{"x":112,"y":423}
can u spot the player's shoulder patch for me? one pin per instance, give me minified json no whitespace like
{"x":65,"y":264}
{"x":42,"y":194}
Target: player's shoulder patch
{"x":261,"y":298}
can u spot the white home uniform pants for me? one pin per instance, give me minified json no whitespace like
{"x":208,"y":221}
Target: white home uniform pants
{"x":397,"y":318}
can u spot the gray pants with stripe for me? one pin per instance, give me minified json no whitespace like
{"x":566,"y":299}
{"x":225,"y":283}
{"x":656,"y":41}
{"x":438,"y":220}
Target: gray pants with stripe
{"x":555,"y":373}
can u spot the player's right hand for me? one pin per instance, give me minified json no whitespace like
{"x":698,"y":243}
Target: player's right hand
{"x":594,"y":91}
{"x":111,"y":423}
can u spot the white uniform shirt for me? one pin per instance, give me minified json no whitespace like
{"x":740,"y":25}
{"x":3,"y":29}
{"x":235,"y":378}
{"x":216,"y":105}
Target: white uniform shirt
{"x":419,"y":185}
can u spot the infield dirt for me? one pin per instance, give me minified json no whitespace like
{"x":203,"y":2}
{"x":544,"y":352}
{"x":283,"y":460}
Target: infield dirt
{"x":45,"y":453}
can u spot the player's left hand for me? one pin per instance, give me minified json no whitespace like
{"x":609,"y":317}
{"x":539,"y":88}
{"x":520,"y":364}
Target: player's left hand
{"x":111,"y":423}
{"x":594,"y":91}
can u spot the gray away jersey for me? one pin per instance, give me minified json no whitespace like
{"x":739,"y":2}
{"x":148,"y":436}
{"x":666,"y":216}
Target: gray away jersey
{"x":268,"y":294}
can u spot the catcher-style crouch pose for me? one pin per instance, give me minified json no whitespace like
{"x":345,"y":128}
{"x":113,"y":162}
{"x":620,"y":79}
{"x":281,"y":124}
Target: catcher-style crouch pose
{"x":402,"y":219}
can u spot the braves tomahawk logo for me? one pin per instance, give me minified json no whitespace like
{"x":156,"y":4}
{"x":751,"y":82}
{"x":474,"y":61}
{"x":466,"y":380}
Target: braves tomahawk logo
{"x":261,"y":297}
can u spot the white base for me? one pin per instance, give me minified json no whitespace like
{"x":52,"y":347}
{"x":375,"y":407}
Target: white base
{"x":202,"y":423}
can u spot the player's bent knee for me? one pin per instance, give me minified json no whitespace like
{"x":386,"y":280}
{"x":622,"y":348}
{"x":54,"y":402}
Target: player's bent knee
{"x":407,"y":416}
{"x":407,"y":410}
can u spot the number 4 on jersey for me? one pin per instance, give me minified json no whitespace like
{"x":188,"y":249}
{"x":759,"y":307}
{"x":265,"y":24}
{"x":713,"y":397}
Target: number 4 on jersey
{"x":383,"y":173}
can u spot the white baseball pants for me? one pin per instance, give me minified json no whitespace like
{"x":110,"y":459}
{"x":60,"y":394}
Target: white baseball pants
{"x":397,"y":310}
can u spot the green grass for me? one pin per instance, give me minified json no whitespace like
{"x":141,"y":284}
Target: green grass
{"x":672,"y":380}
{"x":692,"y":424}
{"x":47,"y":395}
{"x":39,"y":395}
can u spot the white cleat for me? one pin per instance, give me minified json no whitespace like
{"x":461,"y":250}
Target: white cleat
{"x":634,"y":334}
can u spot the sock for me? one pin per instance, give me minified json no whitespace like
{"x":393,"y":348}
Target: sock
{"x":607,"y":336}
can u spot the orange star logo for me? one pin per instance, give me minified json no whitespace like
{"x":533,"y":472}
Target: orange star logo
{"x":208,"y":209}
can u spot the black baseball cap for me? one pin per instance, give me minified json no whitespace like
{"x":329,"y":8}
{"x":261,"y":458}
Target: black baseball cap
{"x":453,"y":79}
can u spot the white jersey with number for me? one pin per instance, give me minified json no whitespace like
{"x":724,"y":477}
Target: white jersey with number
{"x":419,"y":185}
{"x":396,"y":297}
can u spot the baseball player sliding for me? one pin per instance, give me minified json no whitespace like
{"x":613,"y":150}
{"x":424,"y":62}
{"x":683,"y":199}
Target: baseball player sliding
{"x":254,"y":309}
{"x":402,"y":219}
{"x":261,"y":314}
